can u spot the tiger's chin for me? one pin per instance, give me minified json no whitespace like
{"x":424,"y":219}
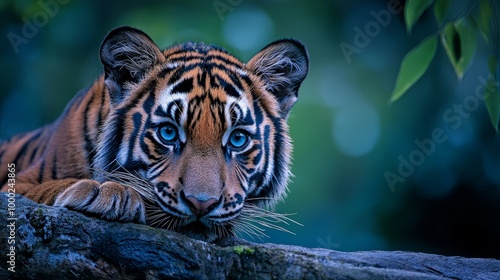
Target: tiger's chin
{"x":191,"y":227}
{"x":198,"y":230}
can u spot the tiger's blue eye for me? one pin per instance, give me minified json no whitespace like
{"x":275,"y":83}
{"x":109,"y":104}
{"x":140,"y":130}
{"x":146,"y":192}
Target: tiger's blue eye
{"x":238,"y":139}
{"x":168,"y":133}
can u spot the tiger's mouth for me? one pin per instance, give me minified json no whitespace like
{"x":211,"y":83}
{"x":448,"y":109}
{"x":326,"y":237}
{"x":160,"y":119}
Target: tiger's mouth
{"x":192,"y":226}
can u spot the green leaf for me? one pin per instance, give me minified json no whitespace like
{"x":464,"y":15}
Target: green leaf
{"x":484,"y":18}
{"x":413,"y":10}
{"x":440,"y":8}
{"x":451,"y":42}
{"x":413,"y":66}
{"x":459,"y":41}
{"x":492,"y":100}
{"x":468,"y":43}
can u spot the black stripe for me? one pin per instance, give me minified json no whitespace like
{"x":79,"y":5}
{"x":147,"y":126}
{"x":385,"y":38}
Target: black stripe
{"x":223,"y":60}
{"x":280,"y":142}
{"x":160,"y":112}
{"x":156,"y":171}
{"x":267,"y":151}
{"x":194,"y":106}
{"x":165,"y":72}
{"x":169,"y":109}
{"x":135,"y":165}
{"x":121,"y":114}
{"x":149,"y":103}
{"x":178,"y":112}
{"x":258,"y":157}
{"x":145,"y":147}
{"x":205,"y":66}
{"x":170,"y":208}
{"x":137,"y":120}
{"x":228,"y":88}
{"x":40,"y":175}
{"x":244,"y":160}
{"x":113,"y":142}
{"x":95,"y":193}
{"x":89,"y":145}
{"x":247,"y":80}
{"x":154,"y":176}
{"x":235,"y":113}
{"x":235,"y":81}
{"x":160,"y":149}
{"x":229,"y":214}
{"x":179,"y":72}
{"x":247,"y":119}
{"x":185,"y":86}
{"x":184,"y":48}
{"x":213,"y":80}
{"x":150,"y":100}
{"x":54,"y":167}
{"x":188,"y":57}
{"x":229,"y":72}
{"x":280,"y":168}
{"x":99,"y":120}
{"x":185,"y":61}
{"x":259,"y":114}
{"x":33,"y":153}
{"x":217,"y":110}
{"x":264,"y":153}
{"x":202,"y":77}
{"x":27,"y":144}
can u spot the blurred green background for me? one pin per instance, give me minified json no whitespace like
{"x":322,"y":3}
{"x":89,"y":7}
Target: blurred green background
{"x":347,"y":136}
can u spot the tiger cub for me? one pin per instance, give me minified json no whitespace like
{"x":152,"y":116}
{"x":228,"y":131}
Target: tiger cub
{"x":189,"y":138}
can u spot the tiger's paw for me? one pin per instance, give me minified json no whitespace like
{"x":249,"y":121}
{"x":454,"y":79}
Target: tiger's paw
{"x":109,"y":200}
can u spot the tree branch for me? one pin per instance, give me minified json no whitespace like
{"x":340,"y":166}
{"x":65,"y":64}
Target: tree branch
{"x":57,"y":243}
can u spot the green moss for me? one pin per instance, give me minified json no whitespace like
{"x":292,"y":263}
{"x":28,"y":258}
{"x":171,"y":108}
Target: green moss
{"x":243,"y":250}
{"x":37,"y":218}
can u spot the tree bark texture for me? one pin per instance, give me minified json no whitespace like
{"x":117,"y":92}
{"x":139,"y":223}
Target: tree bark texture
{"x":56,"y":243}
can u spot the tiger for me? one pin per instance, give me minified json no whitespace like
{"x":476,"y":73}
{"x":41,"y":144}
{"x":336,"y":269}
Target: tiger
{"x":188,"y":138}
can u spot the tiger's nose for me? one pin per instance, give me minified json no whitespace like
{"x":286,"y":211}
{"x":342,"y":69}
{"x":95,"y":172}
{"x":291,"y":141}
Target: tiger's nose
{"x":200,"y":207}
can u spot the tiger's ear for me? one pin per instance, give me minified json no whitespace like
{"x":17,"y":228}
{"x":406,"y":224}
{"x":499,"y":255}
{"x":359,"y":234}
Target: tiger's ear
{"x":282,"y":65}
{"x":127,"y":54}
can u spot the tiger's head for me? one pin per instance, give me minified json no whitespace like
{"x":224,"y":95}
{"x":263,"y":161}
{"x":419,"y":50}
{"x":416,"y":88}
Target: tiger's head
{"x":199,"y":134}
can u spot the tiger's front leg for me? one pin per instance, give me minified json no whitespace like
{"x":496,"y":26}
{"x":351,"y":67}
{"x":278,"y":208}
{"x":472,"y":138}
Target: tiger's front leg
{"x":109,"y":200}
